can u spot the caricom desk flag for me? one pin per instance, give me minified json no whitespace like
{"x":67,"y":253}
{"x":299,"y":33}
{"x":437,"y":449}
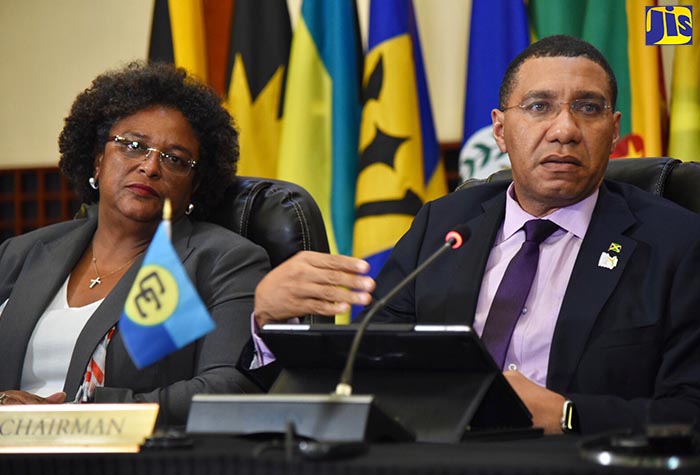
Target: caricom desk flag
{"x":163,"y":311}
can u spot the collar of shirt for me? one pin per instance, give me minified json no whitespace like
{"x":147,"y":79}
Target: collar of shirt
{"x":574,"y":218}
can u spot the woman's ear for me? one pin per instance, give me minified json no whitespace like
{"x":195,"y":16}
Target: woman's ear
{"x":195,"y":184}
{"x":97,"y":166}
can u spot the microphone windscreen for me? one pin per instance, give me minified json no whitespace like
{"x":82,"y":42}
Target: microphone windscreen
{"x":459,"y":234}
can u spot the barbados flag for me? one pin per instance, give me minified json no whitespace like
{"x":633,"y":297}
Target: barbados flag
{"x":163,"y":311}
{"x":400,"y":166}
{"x":321,"y":115}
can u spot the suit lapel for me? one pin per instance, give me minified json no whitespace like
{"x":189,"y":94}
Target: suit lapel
{"x":109,"y":312}
{"x":44,"y":271}
{"x":590,"y":285}
{"x":471,"y":260}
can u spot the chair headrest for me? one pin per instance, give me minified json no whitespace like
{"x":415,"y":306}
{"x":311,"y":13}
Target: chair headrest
{"x":280,"y":216}
{"x":663,"y":176}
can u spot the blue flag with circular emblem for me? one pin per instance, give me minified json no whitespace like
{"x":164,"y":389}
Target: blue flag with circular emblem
{"x":163,"y":311}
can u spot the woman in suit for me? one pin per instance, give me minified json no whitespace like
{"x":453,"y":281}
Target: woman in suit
{"x":135,"y":137}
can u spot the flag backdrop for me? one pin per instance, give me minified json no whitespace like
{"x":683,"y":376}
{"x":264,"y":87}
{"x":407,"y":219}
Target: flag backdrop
{"x":616,"y":28}
{"x":177,"y":35}
{"x":684,"y":140}
{"x":163,"y":311}
{"x":498,"y":32}
{"x":260,"y":38}
{"x":400,"y":166}
{"x":320,"y":123}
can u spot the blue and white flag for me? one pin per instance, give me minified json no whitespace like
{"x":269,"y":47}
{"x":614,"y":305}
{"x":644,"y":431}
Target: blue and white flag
{"x":163,"y":311}
{"x":498,"y":32}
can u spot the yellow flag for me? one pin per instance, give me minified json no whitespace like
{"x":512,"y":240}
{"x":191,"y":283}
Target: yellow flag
{"x":684,"y":139}
{"x":189,"y":43}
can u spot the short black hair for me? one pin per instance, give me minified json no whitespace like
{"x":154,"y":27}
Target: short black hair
{"x":117,"y":94}
{"x":551,"y":47}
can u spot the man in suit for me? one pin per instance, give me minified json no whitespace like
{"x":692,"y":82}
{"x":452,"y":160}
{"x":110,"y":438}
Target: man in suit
{"x":607,"y":333}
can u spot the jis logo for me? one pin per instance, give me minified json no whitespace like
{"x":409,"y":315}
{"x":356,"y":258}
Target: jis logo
{"x":669,"y":25}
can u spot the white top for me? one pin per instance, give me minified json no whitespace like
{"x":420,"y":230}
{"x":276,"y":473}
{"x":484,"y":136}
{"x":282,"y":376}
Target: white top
{"x":51,"y":345}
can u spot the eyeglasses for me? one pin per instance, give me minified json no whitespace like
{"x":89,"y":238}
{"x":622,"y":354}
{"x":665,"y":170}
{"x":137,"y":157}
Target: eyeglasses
{"x":546,"y":109}
{"x":135,"y":150}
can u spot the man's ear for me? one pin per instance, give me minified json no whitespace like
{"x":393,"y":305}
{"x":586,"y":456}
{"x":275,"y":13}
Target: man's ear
{"x":616,"y":131}
{"x":497,"y":118}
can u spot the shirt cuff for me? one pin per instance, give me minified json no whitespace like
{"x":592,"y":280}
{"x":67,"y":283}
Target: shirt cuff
{"x":263,"y":356}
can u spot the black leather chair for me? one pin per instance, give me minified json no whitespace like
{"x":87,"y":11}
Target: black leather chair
{"x":277,"y":215}
{"x":663,"y":176}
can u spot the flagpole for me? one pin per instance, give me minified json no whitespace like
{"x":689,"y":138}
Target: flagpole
{"x":167,"y":214}
{"x":167,"y":437}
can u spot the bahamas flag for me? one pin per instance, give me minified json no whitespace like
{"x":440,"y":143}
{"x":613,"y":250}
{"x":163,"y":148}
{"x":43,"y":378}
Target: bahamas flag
{"x":617,"y":29}
{"x":178,"y":35}
{"x":400,"y":166}
{"x":498,"y":32}
{"x":163,"y":311}
{"x":321,"y":116}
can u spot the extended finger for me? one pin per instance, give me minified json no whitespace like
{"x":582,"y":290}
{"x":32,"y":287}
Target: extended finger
{"x":335,"y":261}
{"x":328,"y":293}
{"x":345,"y":279}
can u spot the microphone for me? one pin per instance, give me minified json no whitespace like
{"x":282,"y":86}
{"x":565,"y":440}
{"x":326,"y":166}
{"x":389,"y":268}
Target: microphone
{"x":453,"y":240}
{"x":334,"y":417}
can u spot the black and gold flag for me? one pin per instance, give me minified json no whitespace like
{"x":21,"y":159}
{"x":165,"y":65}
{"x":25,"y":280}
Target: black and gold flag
{"x":258,"y":57}
{"x":177,"y":35}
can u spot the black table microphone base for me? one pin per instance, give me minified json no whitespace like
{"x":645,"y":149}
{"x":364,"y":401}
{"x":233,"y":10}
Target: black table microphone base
{"x":315,"y":416}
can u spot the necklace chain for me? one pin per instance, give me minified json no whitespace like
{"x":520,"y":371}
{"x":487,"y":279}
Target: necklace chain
{"x":98,"y":279}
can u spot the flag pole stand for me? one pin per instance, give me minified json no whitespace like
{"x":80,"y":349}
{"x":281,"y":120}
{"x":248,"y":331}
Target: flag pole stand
{"x":167,"y":437}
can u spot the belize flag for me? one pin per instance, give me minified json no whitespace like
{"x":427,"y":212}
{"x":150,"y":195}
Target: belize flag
{"x":499,"y":31}
{"x":163,"y":311}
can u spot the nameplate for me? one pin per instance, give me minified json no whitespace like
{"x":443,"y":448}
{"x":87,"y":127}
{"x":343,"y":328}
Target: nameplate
{"x":76,"y":427}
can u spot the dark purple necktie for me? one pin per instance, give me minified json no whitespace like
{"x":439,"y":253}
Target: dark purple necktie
{"x":513,"y":290}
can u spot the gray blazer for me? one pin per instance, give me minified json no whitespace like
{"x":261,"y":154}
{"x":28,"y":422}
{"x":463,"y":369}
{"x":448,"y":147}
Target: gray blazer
{"x":223,"y":266}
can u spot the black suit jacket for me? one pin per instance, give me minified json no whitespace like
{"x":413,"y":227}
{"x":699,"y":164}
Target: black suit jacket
{"x":626,"y":347}
{"x":223,"y":266}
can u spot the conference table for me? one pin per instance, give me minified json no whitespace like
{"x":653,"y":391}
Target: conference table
{"x":222,"y":455}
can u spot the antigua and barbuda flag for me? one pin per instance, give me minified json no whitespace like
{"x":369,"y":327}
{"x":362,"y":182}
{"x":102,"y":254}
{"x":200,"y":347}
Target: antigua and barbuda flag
{"x":178,"y":35}
{"x":163,"y":311}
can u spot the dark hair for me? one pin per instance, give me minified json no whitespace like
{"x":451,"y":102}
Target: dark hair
{"x":115,"y":95}
{"x":551,"y":47}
